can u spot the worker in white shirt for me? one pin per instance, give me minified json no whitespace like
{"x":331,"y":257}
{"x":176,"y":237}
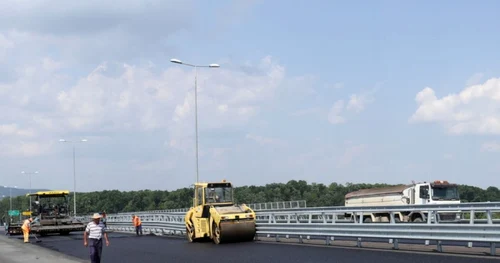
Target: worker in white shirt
{"x":95,"y":231}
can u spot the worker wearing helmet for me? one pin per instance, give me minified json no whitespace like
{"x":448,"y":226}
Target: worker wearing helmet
{"x":26,"y":229}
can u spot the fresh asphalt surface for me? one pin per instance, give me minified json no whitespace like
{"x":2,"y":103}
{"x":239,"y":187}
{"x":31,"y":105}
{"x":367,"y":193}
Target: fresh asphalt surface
{"x":129,"y":248}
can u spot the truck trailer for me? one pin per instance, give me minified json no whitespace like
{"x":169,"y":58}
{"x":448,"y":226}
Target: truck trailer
{"x":437,"y":192}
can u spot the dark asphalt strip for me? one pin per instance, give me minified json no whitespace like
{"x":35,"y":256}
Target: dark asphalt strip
{"x":129,"y":248}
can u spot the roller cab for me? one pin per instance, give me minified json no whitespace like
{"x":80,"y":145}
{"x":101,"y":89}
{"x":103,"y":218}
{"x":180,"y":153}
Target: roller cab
{"x":215,"y":216}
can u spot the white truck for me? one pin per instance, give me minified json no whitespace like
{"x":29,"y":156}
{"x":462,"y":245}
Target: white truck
{"x":437,"y":192}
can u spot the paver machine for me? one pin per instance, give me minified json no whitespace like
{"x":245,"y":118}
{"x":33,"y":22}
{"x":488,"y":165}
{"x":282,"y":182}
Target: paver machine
{"x":215,"y":216}
{"x":51,"y":214}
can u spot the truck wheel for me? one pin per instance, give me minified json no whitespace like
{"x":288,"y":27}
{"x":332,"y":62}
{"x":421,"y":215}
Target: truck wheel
{"x":367,"y":220}
{"x":418,"y":220}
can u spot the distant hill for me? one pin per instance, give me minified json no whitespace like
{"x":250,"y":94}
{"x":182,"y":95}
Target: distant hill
{"x":17,"y":191}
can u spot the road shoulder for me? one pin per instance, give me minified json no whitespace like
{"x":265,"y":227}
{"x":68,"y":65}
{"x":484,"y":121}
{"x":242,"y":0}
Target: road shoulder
{"x":13,"y":250}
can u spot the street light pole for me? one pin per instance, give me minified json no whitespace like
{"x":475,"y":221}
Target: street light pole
{"x":74,"y":170}
{"x":195,"y":103}
{"x":74,"y":181}
{"x":10,"y":195}
{"x":36,"y":172}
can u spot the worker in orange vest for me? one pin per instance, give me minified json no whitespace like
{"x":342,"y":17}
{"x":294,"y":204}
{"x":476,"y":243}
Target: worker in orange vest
{"x":137,"y":224}
{"x":26,"y":229}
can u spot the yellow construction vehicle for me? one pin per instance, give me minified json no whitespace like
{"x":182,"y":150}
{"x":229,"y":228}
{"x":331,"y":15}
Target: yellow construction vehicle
{"x":51,"y":215}
{"x":215,"y":216}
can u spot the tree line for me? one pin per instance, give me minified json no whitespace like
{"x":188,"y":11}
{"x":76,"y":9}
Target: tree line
{"x":114,"y":201}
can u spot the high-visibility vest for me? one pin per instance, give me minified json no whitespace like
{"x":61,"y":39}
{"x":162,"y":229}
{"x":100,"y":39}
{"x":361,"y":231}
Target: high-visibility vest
{"x":26,"y":224}
{"x":137,"y":221}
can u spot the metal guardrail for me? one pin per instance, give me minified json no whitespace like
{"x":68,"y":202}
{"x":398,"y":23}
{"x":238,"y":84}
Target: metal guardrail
{"x":299,"y":204}
{"x":279,"y":205}
{"x":324,"y":223}
{"x":269,"y":206}
{"x":396,"y":208}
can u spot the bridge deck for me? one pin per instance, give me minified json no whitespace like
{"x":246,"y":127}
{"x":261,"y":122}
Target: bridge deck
{"x":129,"y":248}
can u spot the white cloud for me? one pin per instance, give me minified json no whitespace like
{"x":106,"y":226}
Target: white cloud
{"x":88,"y":70}
{"x":357,"y":103}
{"x":23,"y":149}
{"x":13,"y":130}
{"x":474,"y":79}
{"x":134,"y":98}
{"x":334,"y":114}
{"x":472,"y":111}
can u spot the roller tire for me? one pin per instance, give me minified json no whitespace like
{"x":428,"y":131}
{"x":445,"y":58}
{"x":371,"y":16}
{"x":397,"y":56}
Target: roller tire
{"x":216,"y":234}
{"x":190,"y":234}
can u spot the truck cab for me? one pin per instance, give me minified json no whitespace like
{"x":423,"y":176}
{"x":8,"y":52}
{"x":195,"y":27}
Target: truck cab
{"x":437,"y":192}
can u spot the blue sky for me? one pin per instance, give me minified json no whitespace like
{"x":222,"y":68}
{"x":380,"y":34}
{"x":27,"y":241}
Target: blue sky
{"x":325,"y":91}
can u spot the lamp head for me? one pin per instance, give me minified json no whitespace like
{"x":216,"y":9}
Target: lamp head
{"x":174,"y":60}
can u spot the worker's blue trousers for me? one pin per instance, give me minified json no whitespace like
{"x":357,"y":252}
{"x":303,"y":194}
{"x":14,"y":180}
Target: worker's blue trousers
{"x":95,"y":248}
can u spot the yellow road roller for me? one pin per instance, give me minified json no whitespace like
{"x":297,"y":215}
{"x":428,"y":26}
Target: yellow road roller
{"x":215,"y":216}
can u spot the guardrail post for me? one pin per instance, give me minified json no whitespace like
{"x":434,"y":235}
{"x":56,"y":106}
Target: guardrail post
{"x":493,"y":249}
{"x":429,"y":217}
{"x":396,"y":244}
{"x":471,"y":222}
{"x":439,"y":246}
{"x":359,"y":242}
{"x":488,"y":213}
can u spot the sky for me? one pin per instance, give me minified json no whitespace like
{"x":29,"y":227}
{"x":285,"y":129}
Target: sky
{"x":322,"y":91}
